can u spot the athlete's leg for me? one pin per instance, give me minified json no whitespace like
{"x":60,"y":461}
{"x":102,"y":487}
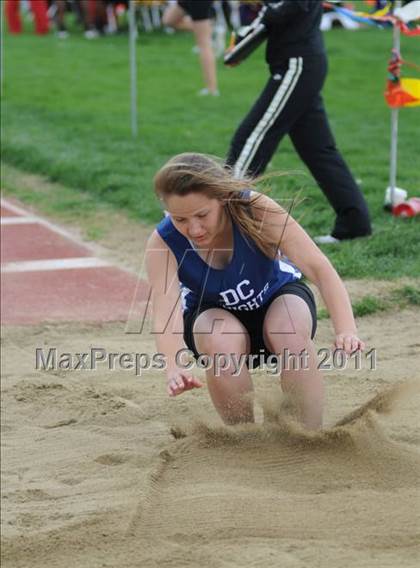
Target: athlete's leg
{"x":315,"y":144}
{"x":287,"y":332}
{"x":202,"y":30}
{"x":60,"y":15}
{"x":175,"y":17}
{"x":13,"y":18}
{"x":39,"y":9}
{"x":284,"y":99}
{"x":218,"y":332}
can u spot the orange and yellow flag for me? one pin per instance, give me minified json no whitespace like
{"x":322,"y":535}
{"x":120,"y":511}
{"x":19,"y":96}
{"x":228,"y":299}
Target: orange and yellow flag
{"x":403,"y":93}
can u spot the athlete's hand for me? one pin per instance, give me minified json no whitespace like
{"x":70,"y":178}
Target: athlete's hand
{"x":349,"y":342}
{"x":181,"y":381}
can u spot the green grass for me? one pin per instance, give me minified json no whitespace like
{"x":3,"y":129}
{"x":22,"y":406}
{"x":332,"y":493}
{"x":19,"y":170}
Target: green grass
{"x":369,"y":305}
{"x":53,"y":199}
{"x":66,"y":115}
{"x":399,"y":298}
{"x":407,"y":295}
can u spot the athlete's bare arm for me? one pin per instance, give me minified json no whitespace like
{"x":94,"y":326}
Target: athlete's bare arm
{"x":162,"y":273}
{"x":296,"y":244}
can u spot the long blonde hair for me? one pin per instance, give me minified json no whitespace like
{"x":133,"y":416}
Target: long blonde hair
{"x":198,"y":173}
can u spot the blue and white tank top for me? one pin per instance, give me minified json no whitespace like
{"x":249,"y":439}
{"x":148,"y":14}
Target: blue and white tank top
{"x":246,"y":283}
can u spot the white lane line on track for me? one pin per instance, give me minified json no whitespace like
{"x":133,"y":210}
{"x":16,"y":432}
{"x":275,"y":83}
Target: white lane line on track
{"x":53,"y":264}
{"x":15,"y":209}
{"x":18,"y":220}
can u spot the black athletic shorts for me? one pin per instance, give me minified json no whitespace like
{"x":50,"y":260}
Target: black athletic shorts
{"x":253,"y":320}
{"x":197,"y":9}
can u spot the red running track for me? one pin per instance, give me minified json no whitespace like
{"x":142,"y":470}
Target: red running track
{"x":47,"y":276}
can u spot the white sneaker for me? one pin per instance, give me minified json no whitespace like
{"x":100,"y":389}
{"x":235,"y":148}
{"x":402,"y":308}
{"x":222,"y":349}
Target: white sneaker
{"x":91,"y":34}
{"x":206,"y":92}
{"x":327,"y":240}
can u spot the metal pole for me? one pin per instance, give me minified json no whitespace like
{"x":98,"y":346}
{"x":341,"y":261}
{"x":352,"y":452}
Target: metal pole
{"x":394,"y":123}
{"x":133,"y":67}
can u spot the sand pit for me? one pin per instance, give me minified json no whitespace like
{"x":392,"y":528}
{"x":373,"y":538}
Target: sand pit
{"x":103,"y":469}
{"x":270,"y":496}
{"x":93,"y":476}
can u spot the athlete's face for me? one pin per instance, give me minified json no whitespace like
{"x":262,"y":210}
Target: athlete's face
{"x":197,"y":217}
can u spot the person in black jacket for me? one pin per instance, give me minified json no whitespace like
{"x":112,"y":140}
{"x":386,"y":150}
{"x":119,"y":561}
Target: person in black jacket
{"x":291,"y":103}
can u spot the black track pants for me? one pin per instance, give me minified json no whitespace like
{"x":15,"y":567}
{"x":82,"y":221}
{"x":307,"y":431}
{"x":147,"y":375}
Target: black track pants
{"x":291,"y":103}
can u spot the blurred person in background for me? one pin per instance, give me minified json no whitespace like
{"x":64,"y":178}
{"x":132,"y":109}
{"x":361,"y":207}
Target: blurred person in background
{"x":291,"y":103}
{"x":56,"y":11}
{"x":101,"y":16}
{"x":39,"y":10}
{"x":94,"y":14}
{"x":196,"y":16}
{"x":113,"y":9}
